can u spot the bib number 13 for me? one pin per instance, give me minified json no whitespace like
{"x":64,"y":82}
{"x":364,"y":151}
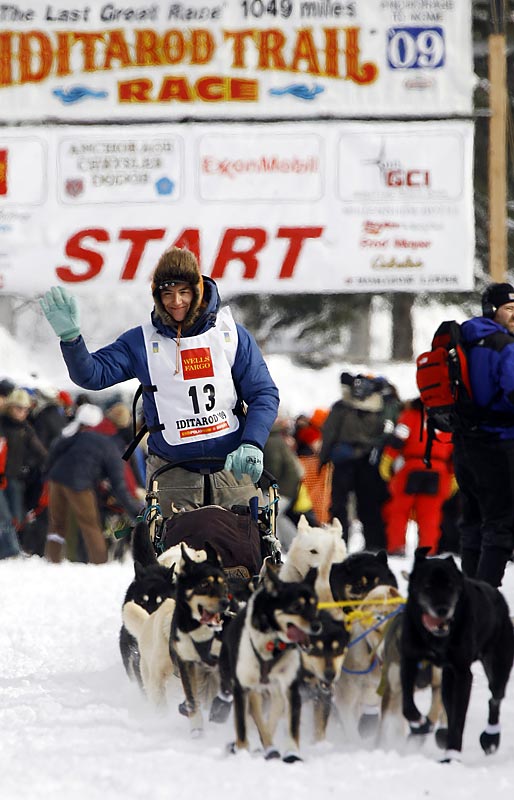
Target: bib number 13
{"x":209,"y":401}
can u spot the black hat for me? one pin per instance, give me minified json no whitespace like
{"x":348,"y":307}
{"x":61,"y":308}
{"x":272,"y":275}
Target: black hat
{"x":346,"y":378}
{"x":496,"y":295}
{"x":6,"y":387}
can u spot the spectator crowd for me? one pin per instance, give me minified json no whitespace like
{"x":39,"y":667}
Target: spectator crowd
{"x":64,"y":487}
{"x":62,"y":478}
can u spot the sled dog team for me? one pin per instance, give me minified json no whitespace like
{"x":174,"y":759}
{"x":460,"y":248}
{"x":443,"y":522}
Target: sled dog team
{"x":325,"y":628}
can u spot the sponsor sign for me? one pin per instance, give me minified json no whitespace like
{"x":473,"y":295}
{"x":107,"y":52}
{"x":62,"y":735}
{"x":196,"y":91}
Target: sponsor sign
{"x":235,"y":59}
{"x":297,"y":207}
{"x":3,"y":171}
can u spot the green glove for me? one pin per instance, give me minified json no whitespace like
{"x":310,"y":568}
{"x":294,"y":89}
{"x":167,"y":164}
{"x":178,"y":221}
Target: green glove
{"x":61,"y":311}
{"x":246,"y":459}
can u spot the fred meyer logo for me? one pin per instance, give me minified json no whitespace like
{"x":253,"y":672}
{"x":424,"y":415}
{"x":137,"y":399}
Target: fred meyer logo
{"x":197,"y":363}
{"x":3,"y":172}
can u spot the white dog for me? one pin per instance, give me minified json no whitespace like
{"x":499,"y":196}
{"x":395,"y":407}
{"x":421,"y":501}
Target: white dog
{"x":315,"y":547}
{"x":152,"y":632}
{"x":311,"y":547}
{"x":173,"y":555}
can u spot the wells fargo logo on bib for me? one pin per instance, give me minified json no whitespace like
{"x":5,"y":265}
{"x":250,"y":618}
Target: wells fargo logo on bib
{"x":197,"y":363}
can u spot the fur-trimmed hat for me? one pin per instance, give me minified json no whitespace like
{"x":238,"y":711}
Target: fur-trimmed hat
{"x":177,"y":265}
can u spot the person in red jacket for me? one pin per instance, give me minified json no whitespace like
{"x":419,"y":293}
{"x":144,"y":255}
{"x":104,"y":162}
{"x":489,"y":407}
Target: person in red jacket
{"x":413,"y":487}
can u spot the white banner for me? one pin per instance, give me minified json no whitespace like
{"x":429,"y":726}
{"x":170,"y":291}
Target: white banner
{"x":235,"y":59}
{"x":278,"y":208}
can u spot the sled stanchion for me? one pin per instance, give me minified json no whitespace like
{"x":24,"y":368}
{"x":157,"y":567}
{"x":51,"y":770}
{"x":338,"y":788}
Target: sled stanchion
{"x":152,"y":499}
{"x":272,"y":500}
{"x":265,"y":516}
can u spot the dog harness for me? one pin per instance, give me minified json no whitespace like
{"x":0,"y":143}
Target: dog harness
{"x":277,"y":648}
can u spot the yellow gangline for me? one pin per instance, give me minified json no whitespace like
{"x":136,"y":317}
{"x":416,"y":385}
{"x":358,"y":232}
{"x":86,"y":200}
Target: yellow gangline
{"x":390,"y":601}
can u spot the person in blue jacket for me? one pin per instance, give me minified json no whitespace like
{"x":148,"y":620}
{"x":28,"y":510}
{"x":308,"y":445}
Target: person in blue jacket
{"x":484,"y":454}
{"x":76,"y":463}
{"x":207,"y":392}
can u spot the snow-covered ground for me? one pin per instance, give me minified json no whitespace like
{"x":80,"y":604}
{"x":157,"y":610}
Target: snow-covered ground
{"x":72,"y":726}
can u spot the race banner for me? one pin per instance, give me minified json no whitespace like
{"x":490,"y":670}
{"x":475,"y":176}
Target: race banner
{"x":235,"y":59}
{"x":268,"y":208}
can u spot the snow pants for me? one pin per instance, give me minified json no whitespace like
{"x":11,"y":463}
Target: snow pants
{"x":484,"y":468}
{"x":428,"y":508}
{"x":357,"y":475}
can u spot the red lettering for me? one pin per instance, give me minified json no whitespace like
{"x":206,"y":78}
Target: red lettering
{"x":139,"y":239}
{"x":296,"y":238}
{"x":190,"y":239}
{"x":227,"y":251}
{"x":74,"y":249}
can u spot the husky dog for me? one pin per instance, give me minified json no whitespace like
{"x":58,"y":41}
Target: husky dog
{"x":322,"y":661}
{"x":260,"y":659}
{"x":392,"y":722}
{"x":201,"y":599}
{"x":152,"y":633}
{"x":358,"y":574}
{"x":151,"y":586}
{"x":356,"y":690}
{"x":309,"y":549}
{"x":453,"y":621}
{"x":173,"y":555}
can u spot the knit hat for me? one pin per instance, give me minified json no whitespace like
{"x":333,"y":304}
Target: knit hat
{"x":18,"y":397}
{"x":88,"y":415}
{"x":177,"y":265}
{"x":496,"y":295}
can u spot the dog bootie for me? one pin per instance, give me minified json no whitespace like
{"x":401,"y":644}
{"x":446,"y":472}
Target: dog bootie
{"x":441,"y":738}
{"x":368,"y":724}
{"x":420,"y":728}
{"x":220,"y":708}
{"x":490,"y":739}
{"x":291,"y":757}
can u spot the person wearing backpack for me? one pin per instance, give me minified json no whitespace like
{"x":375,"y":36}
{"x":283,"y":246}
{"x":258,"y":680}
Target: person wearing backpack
{"x":484,"y":453}
{"x":207,"y":392}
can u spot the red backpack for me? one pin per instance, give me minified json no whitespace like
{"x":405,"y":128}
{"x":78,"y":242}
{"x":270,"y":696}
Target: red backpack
{"x":442,"y":377}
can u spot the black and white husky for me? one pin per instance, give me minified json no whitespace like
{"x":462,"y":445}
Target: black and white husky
{"x":201,"y":599}
{"x":260,"y":660}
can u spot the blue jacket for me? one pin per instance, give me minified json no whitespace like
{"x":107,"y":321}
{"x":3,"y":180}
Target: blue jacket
{"x":491,"y":369}
{"x":81,"y":461}
{"x":126,"y":358}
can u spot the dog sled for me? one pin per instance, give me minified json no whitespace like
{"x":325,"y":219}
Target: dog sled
{"x":244,"y":536}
